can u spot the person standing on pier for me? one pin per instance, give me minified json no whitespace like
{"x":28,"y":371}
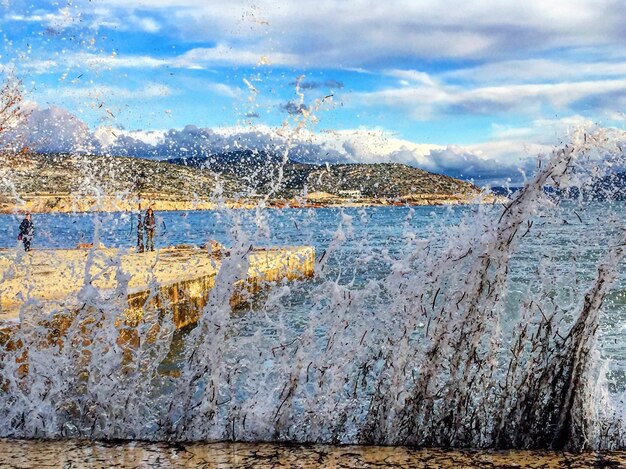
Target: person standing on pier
{"x":140,"y":246}
{"x":149,"y":223}
{"x":27,"y":230}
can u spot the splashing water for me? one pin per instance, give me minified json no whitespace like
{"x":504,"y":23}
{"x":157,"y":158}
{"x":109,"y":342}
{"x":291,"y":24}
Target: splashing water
{"x":481,"y":335}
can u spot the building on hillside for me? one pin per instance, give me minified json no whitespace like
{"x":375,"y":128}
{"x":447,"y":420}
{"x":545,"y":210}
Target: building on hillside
{"x":355,"y":194}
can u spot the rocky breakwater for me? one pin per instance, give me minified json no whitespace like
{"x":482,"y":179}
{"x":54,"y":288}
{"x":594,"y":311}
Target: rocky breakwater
{"x":187,"y":295}
{"x":51,"y":287}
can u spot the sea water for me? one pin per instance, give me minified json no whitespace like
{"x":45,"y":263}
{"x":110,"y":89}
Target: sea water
{"x":457,"y":326}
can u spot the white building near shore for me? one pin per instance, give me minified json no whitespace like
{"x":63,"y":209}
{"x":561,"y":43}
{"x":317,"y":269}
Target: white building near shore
{"x":356,"y":194}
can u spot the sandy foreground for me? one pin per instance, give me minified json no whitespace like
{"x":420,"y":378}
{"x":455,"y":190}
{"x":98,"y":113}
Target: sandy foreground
{"x":90,"y":454}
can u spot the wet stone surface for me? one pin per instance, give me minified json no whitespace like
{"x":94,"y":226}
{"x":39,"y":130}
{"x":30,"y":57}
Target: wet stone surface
{"x":89,"y":454}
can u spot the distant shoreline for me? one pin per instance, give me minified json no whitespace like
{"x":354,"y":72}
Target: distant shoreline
{"x":62,"y":203}
{"x":62,"y":183}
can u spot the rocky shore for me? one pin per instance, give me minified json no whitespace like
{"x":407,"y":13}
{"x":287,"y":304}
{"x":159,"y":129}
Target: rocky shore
{"x":76,"y":203}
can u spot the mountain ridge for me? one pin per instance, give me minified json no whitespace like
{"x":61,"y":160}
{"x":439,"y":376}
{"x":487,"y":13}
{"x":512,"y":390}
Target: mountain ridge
{"x":402,"y":180}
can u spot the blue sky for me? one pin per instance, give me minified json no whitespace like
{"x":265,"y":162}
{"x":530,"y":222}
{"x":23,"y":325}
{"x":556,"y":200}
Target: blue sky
{"x":466,"y":88}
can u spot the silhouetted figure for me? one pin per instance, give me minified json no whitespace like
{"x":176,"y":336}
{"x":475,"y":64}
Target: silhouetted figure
{"x":149,"y":223}
{"x":27,"y":231}
{"x":140,"y":246}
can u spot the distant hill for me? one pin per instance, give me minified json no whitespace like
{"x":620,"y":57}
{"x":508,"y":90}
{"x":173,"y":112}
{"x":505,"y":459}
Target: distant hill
{"x":238,"y":161}
{"x":60,"y":182}
{"x":256,"y":173}
{"x":60,"y":173}
{"x":504,"y":191}
{"x":609,"y":187}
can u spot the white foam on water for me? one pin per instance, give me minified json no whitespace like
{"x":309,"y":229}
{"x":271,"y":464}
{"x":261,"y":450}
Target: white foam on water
{"x":459,"y":343}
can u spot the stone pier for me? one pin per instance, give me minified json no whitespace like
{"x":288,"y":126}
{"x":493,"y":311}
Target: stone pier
{"x":51,"y":283}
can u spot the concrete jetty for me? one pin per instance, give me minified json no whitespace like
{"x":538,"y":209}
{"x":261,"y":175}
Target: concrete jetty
{"x":177,"y":279}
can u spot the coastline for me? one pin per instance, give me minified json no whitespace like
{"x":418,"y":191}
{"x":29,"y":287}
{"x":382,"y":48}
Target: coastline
{"x":124,"y":202}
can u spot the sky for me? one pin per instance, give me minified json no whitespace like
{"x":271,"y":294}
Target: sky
{"x":471,"y":89}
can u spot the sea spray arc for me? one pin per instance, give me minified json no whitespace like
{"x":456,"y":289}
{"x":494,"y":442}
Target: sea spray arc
{"x":420,"y":356}
{"x":339,"y":423}
{"x":454,"y":385}
{"x":461,"y":397}
{"x":204,"y":372}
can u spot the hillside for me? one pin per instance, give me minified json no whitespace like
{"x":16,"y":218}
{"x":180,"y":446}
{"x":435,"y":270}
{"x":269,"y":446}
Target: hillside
{"x":611,"y":187}
{"x":58,"y":182}
{"x":58,"y":173}
{"x":257,"y":171}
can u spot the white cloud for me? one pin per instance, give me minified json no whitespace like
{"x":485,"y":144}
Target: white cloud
{"x":107,"y":137}
{"x":542,"y":129}
{"x":494,"y":161}
{"x":57,"y":20}
{"x":198,"y":58}
{"x":373,"y":145}
{"x":412,"y":76}
{"x":94,"y":62}
{"x":224,"y":90}
{"x":224,"y":54}
{"x":507,"y":154}
{"x":323,"y":33}
{"x":110,"y":61}
{"x":52,"y":130}
{"x":462,"y":162}
{"x":110,"y":92}
{"x":539,"y":137}
{"x":101,"y":18}
{"x":357,"y":33}
{"x":497,"y":160}
{"x":537,"y":70}
{"x":148,"y":25}
{"x":424,"y":100}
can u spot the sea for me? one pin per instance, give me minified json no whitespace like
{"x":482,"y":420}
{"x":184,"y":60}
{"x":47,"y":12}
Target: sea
{"x":301,"y":362}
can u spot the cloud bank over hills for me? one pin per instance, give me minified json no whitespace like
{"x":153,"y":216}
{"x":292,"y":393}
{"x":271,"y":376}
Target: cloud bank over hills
{"x":56,"y":130}
{"x":493,"y":84}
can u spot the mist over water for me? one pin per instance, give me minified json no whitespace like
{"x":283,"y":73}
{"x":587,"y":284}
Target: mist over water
{"x":477,"y":326}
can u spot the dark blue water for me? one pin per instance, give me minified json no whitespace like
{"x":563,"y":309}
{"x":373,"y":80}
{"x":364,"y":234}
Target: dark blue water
{"x":381,"y":226}
{"x":358,"y":245}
